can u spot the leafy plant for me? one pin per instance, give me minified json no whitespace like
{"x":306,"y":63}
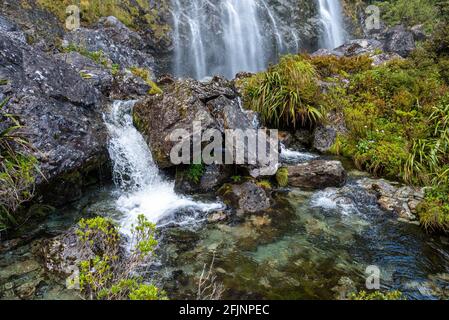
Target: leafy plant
{"x":196,"y":172}
{"x":18,"y":168}
{"x":110,"y":274}
{"x":287,"y":95}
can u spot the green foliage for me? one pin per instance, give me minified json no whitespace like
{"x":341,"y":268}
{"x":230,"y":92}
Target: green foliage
{"x":409,"y":12}
{"x":195,"y":172}
{"x":265,"y":184}
{"x":330,"y":66}
{"x":97,"y":56}
{"x":135,"y":14}
{"x":434,"y":210}
{"x":287,"y":95}
{"x":282,"y":177}
{"x":18,"y":168}
{"x":237,"y":179}
{"x":110,"y":274}
{"x":377,"y":295}
{"x":145,"y":75}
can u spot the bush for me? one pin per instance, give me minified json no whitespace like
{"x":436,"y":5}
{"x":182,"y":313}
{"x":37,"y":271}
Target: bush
{"x":282,"y":177}
{"x":110,"y":274}
{"x":434,"y":210}
{"x":18,"y":168}
{"x":287,"y":95}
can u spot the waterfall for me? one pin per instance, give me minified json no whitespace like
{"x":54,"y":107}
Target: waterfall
{"x":224,"y":37}
{"x":332,"y":20}
{"x":142,"y":189}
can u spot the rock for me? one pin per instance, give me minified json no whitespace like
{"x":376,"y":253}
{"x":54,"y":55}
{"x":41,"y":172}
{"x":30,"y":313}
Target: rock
{"x":217,"y":217}
{"x":403,"y":201}
{"x":120,"y":44}
{"x":95,"y":74}
{"x":382,"y":58}
{"x":213,"y":177}
{"x":324,"y":138}
{"x":400,"y":41}
{"x":11,"y":30}
{"x":358,"y":47}
{"x":345,"y":288}
{"x":418,"y":33}
{"x":317,"y":174}
{"x":245,"y":198}
{"x":215,"y":104}
{"x":62,"y":117}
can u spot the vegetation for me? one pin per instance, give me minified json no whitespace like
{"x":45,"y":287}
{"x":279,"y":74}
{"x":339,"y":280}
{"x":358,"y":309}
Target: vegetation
{"x":135,"y":14}
{"x":377,"y":295}
{"x":97,"y":56}
{"x":196,"y":172}
{"x":145,"y":75}
{"x":18,"y":168}
{"x":287,"y":95}
{"x":110,"y":275}
{"x":282,"y":177}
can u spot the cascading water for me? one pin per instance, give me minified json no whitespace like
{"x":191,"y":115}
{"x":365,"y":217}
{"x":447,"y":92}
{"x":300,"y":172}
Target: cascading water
{"x":143,"y":190}
{"x":332,"y":19}
{"x":224,"y":37}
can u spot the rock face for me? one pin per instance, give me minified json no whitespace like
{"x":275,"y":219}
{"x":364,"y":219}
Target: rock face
{"x":214,"y":104}
{"x":121,"y":45}
{"x":62,"y":116}
{"x":317,"y":174}
{"x":400,"y":41}
{"x":401,"y":200}
{"x":245,"y":198}
{"x":324,"y":137}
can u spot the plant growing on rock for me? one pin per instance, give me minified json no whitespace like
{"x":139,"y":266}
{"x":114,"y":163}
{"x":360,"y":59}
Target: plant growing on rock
{"x":111,"y":274}
{"x":145,"y":75}
{"x":287,"y":95}
{"x":377,"y":295}
{"x":18,"y":168}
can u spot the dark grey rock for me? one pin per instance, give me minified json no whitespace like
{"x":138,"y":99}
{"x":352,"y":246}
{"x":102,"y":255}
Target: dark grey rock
{"x":317,"y":174}
{"x":245,"y":198}
{"x":399,"y":40}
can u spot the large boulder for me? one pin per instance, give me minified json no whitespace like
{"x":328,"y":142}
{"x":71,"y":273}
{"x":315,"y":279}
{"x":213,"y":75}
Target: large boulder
{"x":399,"y":40}
{"x":61,"y":114}
{"x":317,"y":174}
{"x":215,"y":104}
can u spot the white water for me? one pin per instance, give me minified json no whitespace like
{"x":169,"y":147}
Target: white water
{"x":223,"y":37}
{"x":292,"y":156}
{"x":331,"y":18}
{"x":143,"y":189}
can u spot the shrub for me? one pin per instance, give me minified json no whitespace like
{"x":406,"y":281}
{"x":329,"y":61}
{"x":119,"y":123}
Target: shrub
{"x":287,"y":95}
{"x":434,"y":210}
{"x":195,"y":172}
{"x":110,"y":274}
{"x":18,"y":168}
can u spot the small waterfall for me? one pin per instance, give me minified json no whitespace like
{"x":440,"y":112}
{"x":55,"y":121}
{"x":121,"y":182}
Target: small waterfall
{"x":332,"y":19}
{"x":224,"y":37}
{"x":142,"y":189}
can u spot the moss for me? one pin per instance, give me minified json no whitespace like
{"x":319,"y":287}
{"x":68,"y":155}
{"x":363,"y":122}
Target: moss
{"x":377,"y":295}
{"x":265,"y":184}
{"x":135,"y":14}
{"x":282,"y":177}
{"x":145,"y":75}
{"x":433,"y":212}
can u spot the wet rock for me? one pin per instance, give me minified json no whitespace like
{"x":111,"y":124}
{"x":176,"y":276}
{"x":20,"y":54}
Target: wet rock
{"x":213,"y":177}
{"x":217,"y":217}
{"x":245,"y":198}
{"x":344,"y":288}
{"x":214,"y":104}
{"x":403,"y":201}
{"x":317,"y":174}
{"x":400,"y":41}
{"x":61,"y":114}
{"x":62,"y":254}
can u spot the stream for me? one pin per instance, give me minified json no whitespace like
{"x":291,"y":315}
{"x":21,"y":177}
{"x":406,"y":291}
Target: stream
{"x":309,"y":245}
